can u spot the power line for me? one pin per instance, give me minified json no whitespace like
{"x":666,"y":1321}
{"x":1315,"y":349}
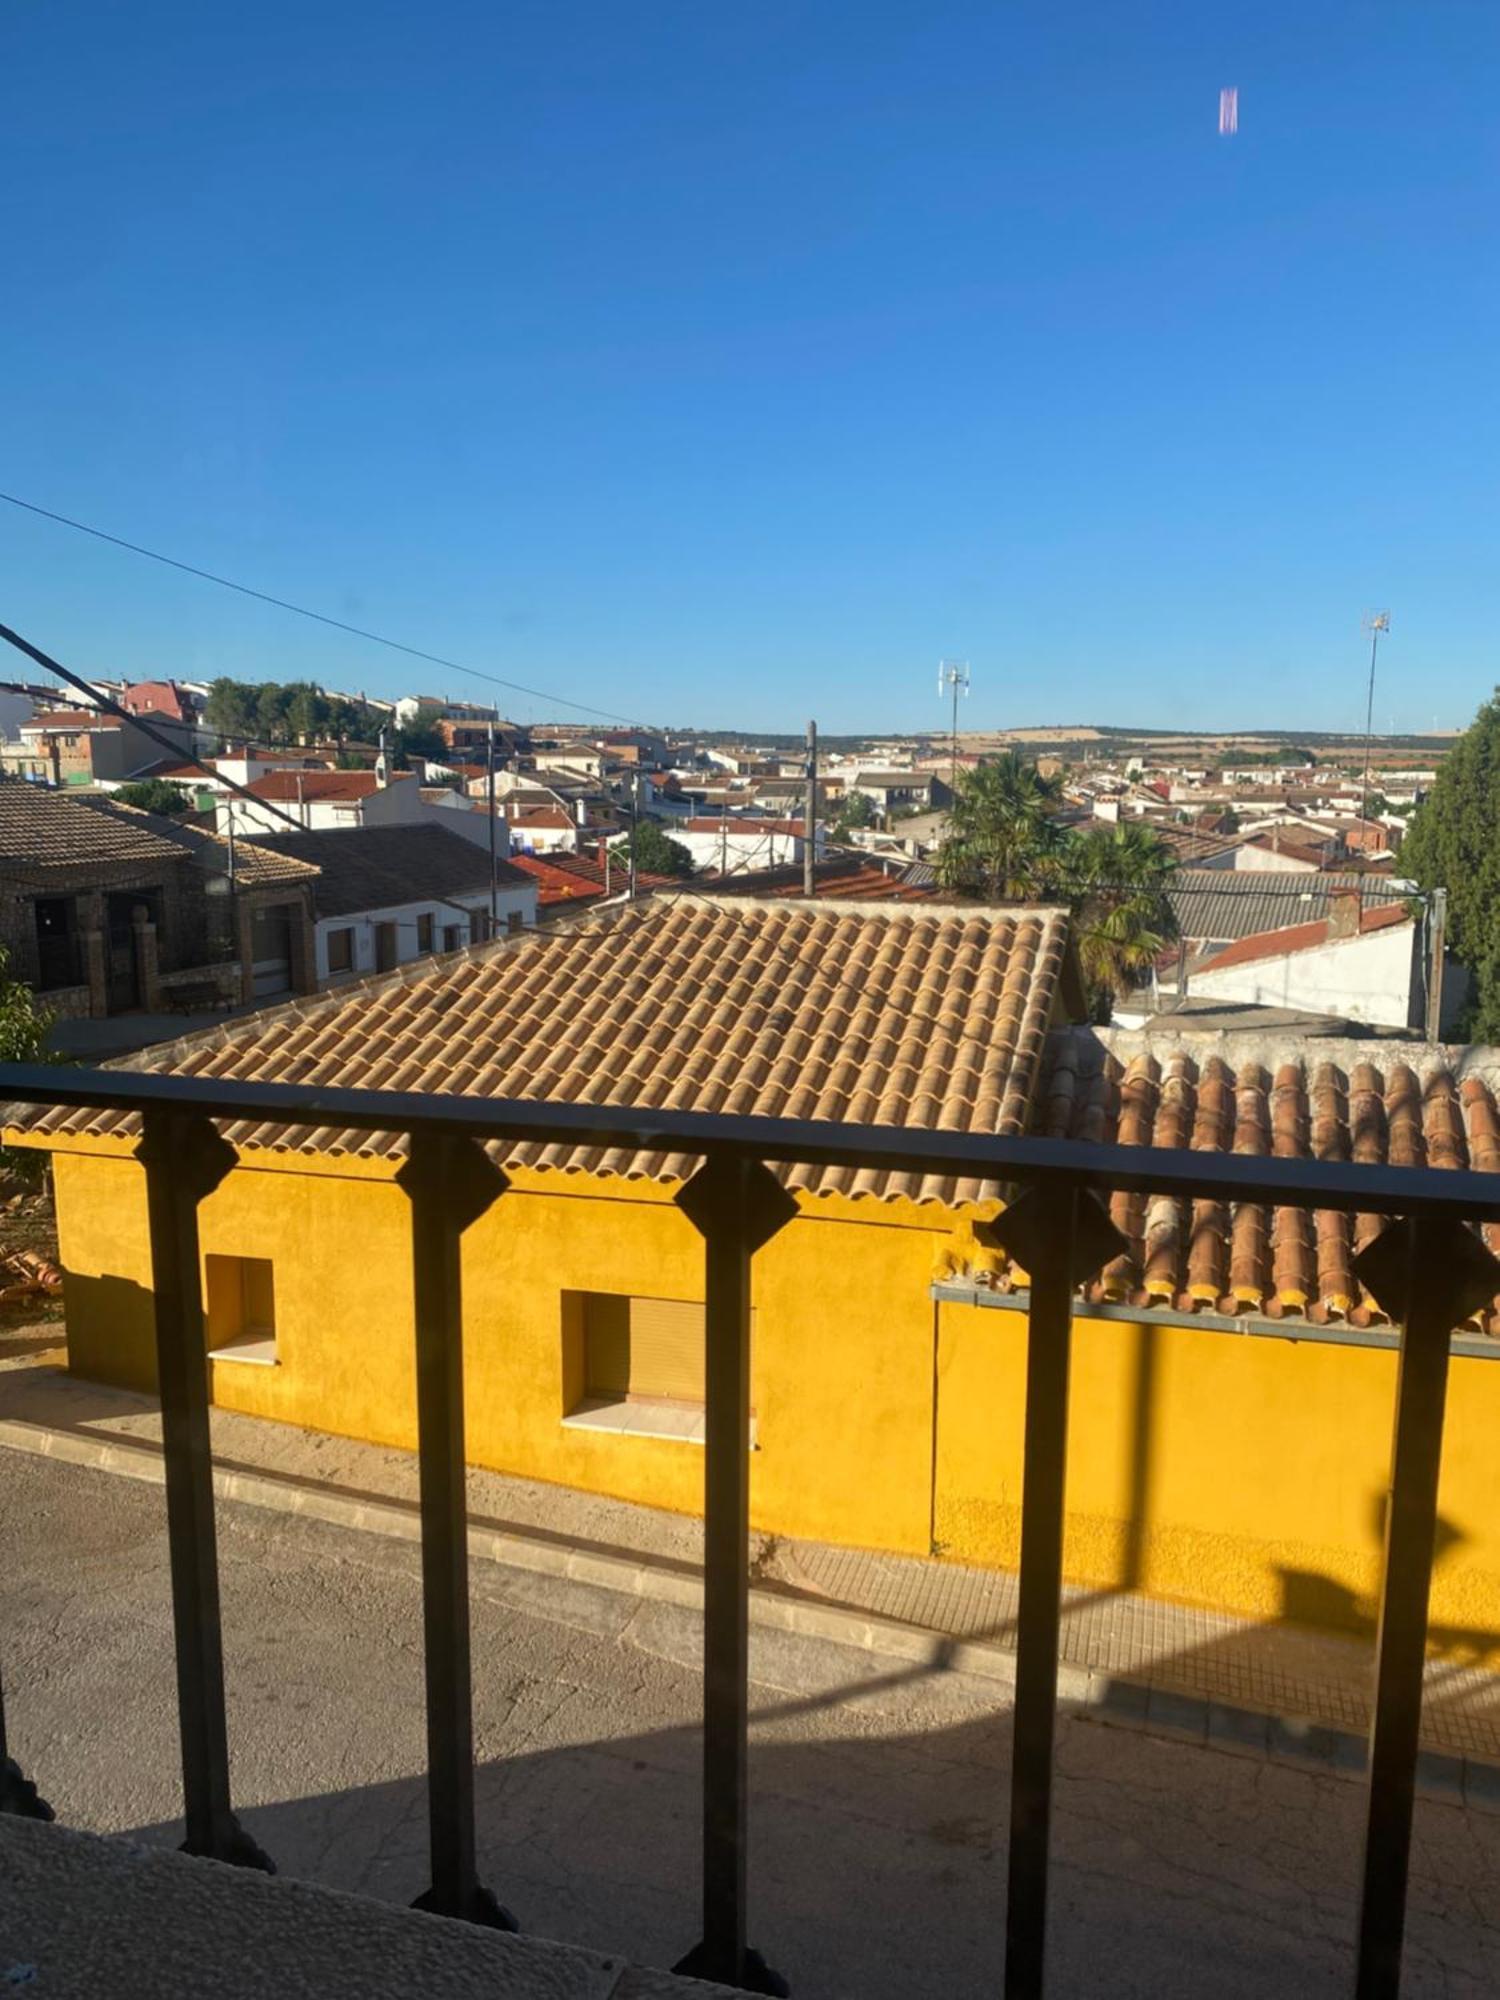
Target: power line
{"x":107,"y":705}
{"x":318,"y":617}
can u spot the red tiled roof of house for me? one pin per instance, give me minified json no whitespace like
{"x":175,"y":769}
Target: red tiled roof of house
{"x":312,"y":785}
{"x":579,"y":878}
{"x":842,"y":878}
{"x":547,"y":816}
{"x":72,"y":718}
{"x":1304,"y":937}
{"x":727,"y":824}
{"x":798,"y":1012}
{"x":1402,"y":1105}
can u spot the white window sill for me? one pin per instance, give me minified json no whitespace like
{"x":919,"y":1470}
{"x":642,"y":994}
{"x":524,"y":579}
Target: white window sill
{"x":257,"y":1349}
{"x":686,"y":1423}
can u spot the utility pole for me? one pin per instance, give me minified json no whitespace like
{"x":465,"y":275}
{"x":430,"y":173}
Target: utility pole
{"x":953,"y":675}
{"x":810,"y":813}
{"x":1437,"y":932}
{"x":494,"y":866}
{"x":635,"y":828}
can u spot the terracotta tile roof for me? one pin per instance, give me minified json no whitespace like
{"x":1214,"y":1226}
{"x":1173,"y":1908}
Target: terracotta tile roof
{"x":579,"y":878}
{"x":311,"y":785}
{"x":1356,"y":1101}
{"x":73,"y":718}
{"x":45,"y":829}
{"x":884,"y":1016}
{"x":1185,"y":843}
{"x":844,"y":878}
{"x":379,"y":867}
{"x":1303,"y":937}
{"x":724,"y":823}
{"x":42,"y":830}
{"x":548,"y":816}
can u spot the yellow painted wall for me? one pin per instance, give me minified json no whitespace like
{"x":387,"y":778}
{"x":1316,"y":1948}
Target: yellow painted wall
{"x":1217,"y":1469}
{"x":844,"y":1431}
{"x":1241,"y":1473}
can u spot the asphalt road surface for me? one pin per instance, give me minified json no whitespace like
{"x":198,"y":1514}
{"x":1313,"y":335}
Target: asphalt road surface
{"x":879,"y":1791}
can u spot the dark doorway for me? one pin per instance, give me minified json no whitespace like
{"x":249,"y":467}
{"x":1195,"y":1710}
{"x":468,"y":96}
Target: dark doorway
{"x":271,"y":951}
{"x":56,"y":943}
{"x":385,"y":947}
{"x":122,"y":972}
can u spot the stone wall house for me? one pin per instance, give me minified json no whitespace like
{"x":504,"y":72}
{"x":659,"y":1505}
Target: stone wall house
{"x":106,"y":910}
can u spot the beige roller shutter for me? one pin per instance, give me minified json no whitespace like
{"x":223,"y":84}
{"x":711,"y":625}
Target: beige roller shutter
{"x":666,"y":1349}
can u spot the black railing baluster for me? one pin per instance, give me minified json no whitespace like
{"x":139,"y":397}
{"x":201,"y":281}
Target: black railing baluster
{"x":1058,"y":1234}
{"x":736,"y":1204}
{"x":1428,"y":1276}
{"x":185,"y":1159}
{"x":450,"y":1182}
{"x":18,"y":1795}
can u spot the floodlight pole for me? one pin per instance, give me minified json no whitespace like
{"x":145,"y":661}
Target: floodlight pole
{"x":1375,"y":625}
{"x":954,"y":676}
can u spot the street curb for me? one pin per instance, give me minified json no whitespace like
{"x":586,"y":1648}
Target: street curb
{"x":1109,"y":1699}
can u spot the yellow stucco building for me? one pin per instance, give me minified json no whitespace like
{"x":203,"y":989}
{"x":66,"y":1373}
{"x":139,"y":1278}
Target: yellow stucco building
{"x":1205,"y":1464}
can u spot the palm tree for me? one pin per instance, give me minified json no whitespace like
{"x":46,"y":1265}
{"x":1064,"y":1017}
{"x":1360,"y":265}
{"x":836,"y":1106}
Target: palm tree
{"x":1123,"y":918}
{"x":1003,"y":840}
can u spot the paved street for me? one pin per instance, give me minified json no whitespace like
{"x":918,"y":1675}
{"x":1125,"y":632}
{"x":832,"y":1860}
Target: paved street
{"x":880,"y":1792}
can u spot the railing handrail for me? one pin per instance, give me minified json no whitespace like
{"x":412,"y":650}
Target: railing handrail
{"x":1188,"y":1174}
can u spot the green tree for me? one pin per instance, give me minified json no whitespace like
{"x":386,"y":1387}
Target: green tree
{"x":1122,"y":917}
{"x":418,"y":739}
{"x":655,"y":852}
{"x":156,"y":795}
{"x":855,"y":809}
{"x":23,"y":1039}
{"x":270,"y":712}
{"x":1453,"y":843}
{"x":1003,"y":841}
{"x":230,"y":707}
{"x":306,"y":712}
{"x":23,"y":1020}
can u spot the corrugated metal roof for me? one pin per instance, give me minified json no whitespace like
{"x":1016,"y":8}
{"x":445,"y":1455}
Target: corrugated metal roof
{"x":1222,"y":905}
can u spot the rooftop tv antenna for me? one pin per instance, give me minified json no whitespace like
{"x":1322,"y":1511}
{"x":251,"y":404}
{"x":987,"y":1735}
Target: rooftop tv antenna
{"x":953,"y":678}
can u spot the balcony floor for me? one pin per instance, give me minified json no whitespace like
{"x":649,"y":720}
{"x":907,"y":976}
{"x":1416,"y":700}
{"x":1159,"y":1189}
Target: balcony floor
{"x":95,"y":1919}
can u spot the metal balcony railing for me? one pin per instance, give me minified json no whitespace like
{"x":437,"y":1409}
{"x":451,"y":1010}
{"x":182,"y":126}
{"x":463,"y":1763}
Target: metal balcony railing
{"x":1428,"y":1274}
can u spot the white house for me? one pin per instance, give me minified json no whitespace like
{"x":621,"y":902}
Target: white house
{"x":322,"y":801}
{"x":386,"y":894}
{"x":743,"y":844}
{"x":1361,"y":965}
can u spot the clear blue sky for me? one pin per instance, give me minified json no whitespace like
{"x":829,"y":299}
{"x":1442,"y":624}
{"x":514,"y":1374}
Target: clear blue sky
{"x":728,"y":364}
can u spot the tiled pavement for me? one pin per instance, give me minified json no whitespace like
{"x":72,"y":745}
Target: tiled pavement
{"x":1281,"y":1669}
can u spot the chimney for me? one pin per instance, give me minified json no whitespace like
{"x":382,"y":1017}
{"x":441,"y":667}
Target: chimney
{"x":583,"y":812}
{"x":1343,"y":914}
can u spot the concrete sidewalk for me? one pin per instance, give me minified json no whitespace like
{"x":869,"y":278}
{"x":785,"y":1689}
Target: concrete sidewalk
{"x":1197,"y":1672}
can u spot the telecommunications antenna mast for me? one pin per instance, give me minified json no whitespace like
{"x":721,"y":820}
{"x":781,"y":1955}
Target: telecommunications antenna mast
{"x":953,"y":678}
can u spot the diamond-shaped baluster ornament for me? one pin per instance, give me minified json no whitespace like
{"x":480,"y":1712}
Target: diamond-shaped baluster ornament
{"x":1027,"y":1230}
{"x":1456,"y":1275}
